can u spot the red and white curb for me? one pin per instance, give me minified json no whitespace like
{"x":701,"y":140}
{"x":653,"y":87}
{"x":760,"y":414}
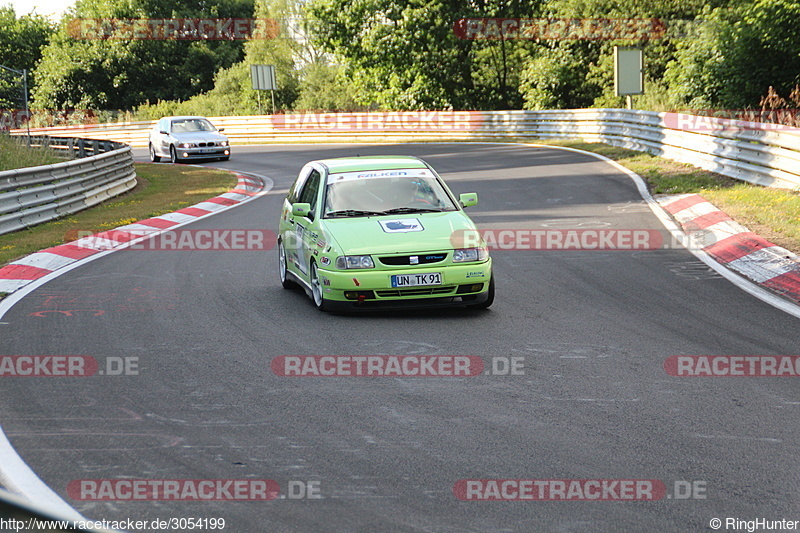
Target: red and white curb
{"x":24,"y":271}
{"x":733,"y":245}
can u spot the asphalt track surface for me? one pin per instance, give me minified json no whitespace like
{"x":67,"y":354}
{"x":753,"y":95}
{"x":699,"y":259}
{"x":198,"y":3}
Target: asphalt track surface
{"x":594,"y":328}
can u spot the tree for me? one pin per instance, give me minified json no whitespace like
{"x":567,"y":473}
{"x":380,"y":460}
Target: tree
{"x":323,"y":88}
{"x":741,"y":52}
{"x":232,"y":93}
{"x":556,"y":78}
{"x":578,"y":73}
{"x":120,"y":74}
{"x":405,"y":55}
{"x":21,"y":42}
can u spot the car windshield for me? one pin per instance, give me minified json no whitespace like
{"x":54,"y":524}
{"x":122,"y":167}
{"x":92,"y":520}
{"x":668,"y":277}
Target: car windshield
{"x":384,"y":192}
{"x":191,"y":124}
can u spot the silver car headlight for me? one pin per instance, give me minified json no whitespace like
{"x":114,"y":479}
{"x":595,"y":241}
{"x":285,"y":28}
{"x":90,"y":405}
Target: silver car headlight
{"x":345,"y":262}
{"x":187,"y":145}
{"x":223,"y":143}
{"x":467,"y":255}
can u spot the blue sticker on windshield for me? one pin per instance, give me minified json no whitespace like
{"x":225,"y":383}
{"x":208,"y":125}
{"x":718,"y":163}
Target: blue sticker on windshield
{"x":401,"y":225}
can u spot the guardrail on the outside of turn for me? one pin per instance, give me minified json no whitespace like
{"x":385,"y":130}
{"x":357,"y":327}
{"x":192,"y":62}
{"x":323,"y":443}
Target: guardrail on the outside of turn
{"x":29,"y":196}
{"x":761,"y":153}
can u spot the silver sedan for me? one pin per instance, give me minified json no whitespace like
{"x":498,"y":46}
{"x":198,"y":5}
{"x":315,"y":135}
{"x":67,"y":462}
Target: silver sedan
{"x":185,"y":138}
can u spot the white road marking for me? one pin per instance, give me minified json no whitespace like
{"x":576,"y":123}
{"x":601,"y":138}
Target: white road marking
{"x":17,"y":476}
{"x":746,"y":285}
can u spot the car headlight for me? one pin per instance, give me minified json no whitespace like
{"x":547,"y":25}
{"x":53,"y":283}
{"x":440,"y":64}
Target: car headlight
{"x":187,"y":145}
{"x":466,"y":255}
{"x":223,"y":143}
{"x":344,"y":262}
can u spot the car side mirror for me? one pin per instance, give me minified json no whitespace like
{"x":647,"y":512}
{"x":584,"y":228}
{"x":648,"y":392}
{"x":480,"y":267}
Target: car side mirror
{"x":301,"y":209}
{"x":468,"y":199}
{"x":220,"y":129}
{"x":162,"y":132}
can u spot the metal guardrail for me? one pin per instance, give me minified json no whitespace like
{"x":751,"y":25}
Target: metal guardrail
{"x":75,"y":147}
{"x":30,"y":196}
{"x":764,"y":154}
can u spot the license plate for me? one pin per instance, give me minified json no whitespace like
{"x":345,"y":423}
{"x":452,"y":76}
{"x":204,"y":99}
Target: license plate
{"x":207,"y":151}
{"x":416,"y":280}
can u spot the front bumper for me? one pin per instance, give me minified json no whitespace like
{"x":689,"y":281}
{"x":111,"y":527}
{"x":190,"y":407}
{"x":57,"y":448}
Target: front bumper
{"x":203,"y":153}
{"x":353,"y":289}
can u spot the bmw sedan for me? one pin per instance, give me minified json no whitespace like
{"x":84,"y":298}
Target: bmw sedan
{"x":381,"y":232}
{"x":185,"y":138}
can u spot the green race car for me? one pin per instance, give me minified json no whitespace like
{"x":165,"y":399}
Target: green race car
{"x":381,"y":232}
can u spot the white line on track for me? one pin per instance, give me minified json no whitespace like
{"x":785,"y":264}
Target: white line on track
{"x":17,"y":476}
{"x":743,"y":283}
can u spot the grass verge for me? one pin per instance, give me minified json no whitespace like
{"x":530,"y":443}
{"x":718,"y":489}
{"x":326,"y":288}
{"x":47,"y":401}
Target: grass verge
{"x":161,"y":189}
{"x":15,"y":154}
{"x":772,"y":213}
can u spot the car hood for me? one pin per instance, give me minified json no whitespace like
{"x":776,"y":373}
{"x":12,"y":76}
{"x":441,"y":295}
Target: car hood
{"x":418,"y":232}
{"x":200,"y":136}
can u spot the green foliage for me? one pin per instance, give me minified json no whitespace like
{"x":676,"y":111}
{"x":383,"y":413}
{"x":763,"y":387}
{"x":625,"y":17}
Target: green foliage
{"x":576,"y":73}
{"x":739,"y":53}
{"x":324,"y":88}
{"x":231,"y":95}
{"x":556,"y":79}
{"x":120,"y":74}
{"x":387,"y":54}
{"x":21,"y":41}
{"x":405,"y":55}
{"x":232,"y":92}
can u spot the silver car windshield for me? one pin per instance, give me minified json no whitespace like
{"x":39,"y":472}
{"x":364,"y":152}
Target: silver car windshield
{"x":192,"y":124}
{"x":359,"y":196}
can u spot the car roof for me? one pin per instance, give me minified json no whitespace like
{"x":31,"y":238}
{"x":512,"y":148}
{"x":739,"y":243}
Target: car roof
{"x":386,"y":162}
{"x":184,"y":117}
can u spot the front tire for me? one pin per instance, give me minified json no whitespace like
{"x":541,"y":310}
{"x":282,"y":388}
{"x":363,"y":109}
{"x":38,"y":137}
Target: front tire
{"x":316,"y":289}
{"x":489,"y":300}
{"x":153,"y":157}
{"x":283,"y":270}
{"x":173,"y":154}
